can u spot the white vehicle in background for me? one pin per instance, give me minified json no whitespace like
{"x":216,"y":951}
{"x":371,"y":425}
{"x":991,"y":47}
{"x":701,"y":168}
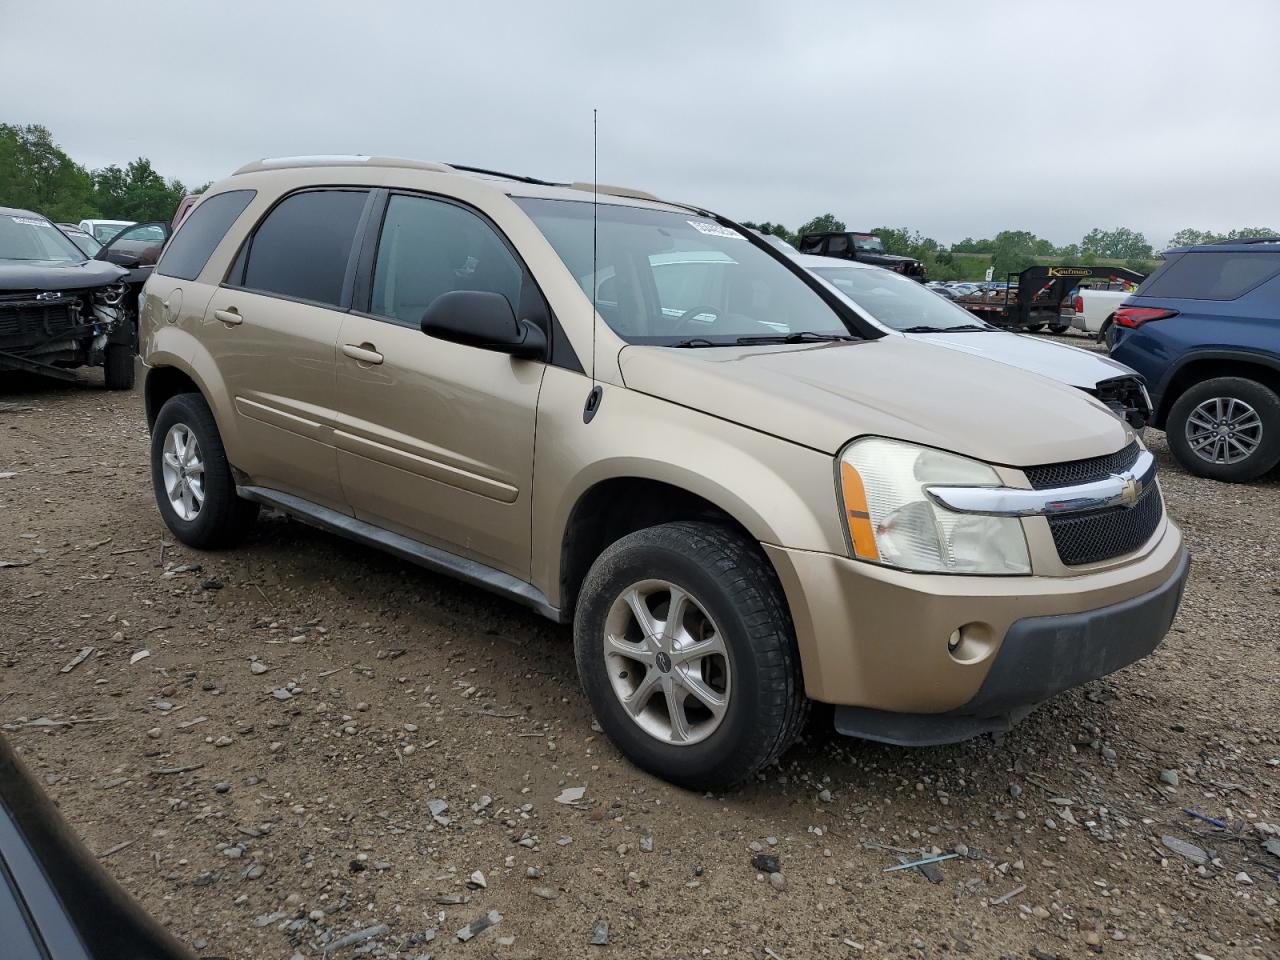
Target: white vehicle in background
{"x":104,"y":230}
{"x":901,"y":306}
{"x":1091,"y":307}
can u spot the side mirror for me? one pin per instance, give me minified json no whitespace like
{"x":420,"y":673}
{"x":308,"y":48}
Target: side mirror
{"x":485,"y":320}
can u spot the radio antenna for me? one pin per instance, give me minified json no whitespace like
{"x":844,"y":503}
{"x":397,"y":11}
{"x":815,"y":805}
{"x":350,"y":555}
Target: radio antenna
{"x":595,"y":279}
{"x":593,"y":398}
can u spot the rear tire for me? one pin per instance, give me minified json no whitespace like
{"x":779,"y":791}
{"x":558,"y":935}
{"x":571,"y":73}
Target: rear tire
{"x":1034,"y":327}
{"x":215,"y":516}
{"x":118,"y":367}
{"x":732,"y":596}
{"x":1254,"y":412}
{"x":1059,"y":327}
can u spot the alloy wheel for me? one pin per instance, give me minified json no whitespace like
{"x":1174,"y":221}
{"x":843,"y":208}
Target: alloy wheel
{"x":183,"y":470}
{"x":1224,"y":430}
{"x":667,"y":662}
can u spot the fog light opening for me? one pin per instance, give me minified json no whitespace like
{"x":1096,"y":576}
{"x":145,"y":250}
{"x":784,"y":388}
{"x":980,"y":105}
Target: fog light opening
{"x":970,"y":643}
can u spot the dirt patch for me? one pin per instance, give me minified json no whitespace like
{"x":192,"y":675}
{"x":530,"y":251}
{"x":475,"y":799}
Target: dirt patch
{"x":303,"y":740}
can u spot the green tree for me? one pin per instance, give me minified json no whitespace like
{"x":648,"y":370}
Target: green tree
{"x":827,"y":223}
{"x":1243,"y":233}
{"x":970,"y":245}
{"x":772,"y":229}
{"x":1013,"y":251}
{"x":36,"y":174}
{"x":1118,"y":244}
{"x":137,"y":192}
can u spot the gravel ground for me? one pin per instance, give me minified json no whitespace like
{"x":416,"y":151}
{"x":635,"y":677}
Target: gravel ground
{"x":304,"y":740}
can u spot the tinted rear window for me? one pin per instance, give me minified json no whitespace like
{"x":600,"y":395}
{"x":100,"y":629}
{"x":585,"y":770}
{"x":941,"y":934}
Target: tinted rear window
{"x":1209,"y":275}
{"x":201,"y":232}
{"x":302,"y":248}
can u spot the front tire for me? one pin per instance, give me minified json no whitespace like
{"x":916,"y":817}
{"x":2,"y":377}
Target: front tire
{"x":118,"y":367}
{"x":194,"y":488}
{"x":709,"y":696}
{"x":1227,"y":429}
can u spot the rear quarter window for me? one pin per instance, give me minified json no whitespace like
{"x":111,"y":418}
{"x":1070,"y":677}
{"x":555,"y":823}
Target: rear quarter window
{"x":200,"y":233}
{"x":1210,"y":275}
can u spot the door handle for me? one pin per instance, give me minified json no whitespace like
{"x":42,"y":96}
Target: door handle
{"x":364,"y":353}
{"x":230,"y":317}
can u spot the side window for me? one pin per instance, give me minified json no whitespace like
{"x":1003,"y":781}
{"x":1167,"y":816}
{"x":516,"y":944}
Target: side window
{"x":303,"y":247}
{"x":838,"y":243}
{"x":431,"y":247}
{"x":810,"y":244}
{"x":202,"y":231}
{"x":1209,"y":275}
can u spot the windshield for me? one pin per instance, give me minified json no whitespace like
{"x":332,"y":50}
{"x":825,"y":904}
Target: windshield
{"x":897,"y":302}
{"x":103,"y":232}
{"x":867,"y":244}
{"x":33,"y":238}
{"x":663,"y":277}
{"x":84,"y":241}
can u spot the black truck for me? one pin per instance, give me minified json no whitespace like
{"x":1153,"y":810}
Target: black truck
{"x":863,"y":247}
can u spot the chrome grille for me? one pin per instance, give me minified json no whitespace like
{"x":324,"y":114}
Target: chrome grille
{"x":1081,"y":471}
{"x":1093,"y":537}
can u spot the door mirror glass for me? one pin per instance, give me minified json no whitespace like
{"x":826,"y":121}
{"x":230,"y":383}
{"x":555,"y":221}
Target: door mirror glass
{"x":482,"y":319}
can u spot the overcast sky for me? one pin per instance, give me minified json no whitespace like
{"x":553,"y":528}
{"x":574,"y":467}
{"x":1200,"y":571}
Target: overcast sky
{"x":955,"y":119}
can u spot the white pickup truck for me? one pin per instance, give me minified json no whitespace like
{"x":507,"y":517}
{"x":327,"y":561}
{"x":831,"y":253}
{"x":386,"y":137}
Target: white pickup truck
{"x":1089,"y":307}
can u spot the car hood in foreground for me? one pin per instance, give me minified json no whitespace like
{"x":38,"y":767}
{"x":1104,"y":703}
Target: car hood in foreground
{"x":1058,"y":361}
{"x":822,"y":395}
{"x":57,"y":274}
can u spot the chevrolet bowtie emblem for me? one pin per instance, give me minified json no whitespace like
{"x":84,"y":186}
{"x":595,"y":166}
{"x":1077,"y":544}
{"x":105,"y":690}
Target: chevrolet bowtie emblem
{"x":1132,"y":490}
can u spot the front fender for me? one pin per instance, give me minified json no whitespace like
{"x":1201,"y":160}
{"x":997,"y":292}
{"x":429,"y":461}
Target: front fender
{"x":781,"y":493}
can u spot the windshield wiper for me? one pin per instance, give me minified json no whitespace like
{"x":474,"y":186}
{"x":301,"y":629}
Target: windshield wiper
{"x":804,"y":336}
{"x":961,"y":328}
{"x":695,"y":342}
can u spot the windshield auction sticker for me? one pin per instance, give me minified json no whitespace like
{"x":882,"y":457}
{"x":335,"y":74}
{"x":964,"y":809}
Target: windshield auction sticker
{"x":715,"y":229}
{"x":29,"y":222}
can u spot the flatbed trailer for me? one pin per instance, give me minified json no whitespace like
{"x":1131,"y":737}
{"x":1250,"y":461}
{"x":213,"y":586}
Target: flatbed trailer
{"x":1033,"y":298}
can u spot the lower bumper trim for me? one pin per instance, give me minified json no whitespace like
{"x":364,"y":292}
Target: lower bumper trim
{"x":1039,"y":658}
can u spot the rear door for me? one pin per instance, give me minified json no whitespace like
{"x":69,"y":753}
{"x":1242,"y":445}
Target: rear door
{"x":271,"y":329}
{"x":435,"y":439}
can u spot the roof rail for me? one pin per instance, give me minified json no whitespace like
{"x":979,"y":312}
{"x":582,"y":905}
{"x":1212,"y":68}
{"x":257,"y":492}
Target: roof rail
{"x":613,"y":191}
{"x":339,"y":160}
{"x":1251,"y":240}
{"x":506,"y":176}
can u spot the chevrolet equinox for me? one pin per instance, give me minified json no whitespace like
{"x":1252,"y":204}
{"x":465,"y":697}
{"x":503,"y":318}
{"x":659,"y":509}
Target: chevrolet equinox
{"x":637,"y":417}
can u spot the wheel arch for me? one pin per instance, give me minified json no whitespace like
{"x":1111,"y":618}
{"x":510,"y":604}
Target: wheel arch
{"x":1210,"y":364}
{"x":613,"y":506}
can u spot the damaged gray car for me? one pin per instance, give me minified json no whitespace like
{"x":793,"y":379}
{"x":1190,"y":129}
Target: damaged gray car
{"x":60,"y":309}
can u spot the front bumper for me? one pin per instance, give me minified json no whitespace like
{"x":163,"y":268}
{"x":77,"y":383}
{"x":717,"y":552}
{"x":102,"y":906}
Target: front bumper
{"x":876,"y":640}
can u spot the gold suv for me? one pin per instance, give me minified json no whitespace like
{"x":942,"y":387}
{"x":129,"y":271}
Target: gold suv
{"x":635,"y":416}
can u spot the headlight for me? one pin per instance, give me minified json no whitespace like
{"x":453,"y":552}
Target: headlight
{"x":112,"y":295}
{"x":892,"y":521}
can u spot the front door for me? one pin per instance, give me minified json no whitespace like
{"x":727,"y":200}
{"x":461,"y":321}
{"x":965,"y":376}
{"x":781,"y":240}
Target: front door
{"x":435,"y":439}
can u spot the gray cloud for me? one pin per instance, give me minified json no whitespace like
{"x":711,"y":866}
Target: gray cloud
{"x":953,"y":119}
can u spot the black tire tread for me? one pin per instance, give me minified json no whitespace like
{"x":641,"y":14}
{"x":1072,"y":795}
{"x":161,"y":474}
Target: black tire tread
{"x":1261,"y":397}
{"x":225,"y":518}
{"x":117,"y":367}
{"x":751,"y":585}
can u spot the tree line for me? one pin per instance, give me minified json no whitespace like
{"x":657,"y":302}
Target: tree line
{"x":1011,"y":251}
{"x":36,"y":174}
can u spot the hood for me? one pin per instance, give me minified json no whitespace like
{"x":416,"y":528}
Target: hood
{"x":893,"y":258}
{"x":823,"y":395}
{"x":57,"y":275}
{"x":1057,"y":361}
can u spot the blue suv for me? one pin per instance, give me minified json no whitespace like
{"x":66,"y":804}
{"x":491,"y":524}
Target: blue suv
{"x":1204,"y":330}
